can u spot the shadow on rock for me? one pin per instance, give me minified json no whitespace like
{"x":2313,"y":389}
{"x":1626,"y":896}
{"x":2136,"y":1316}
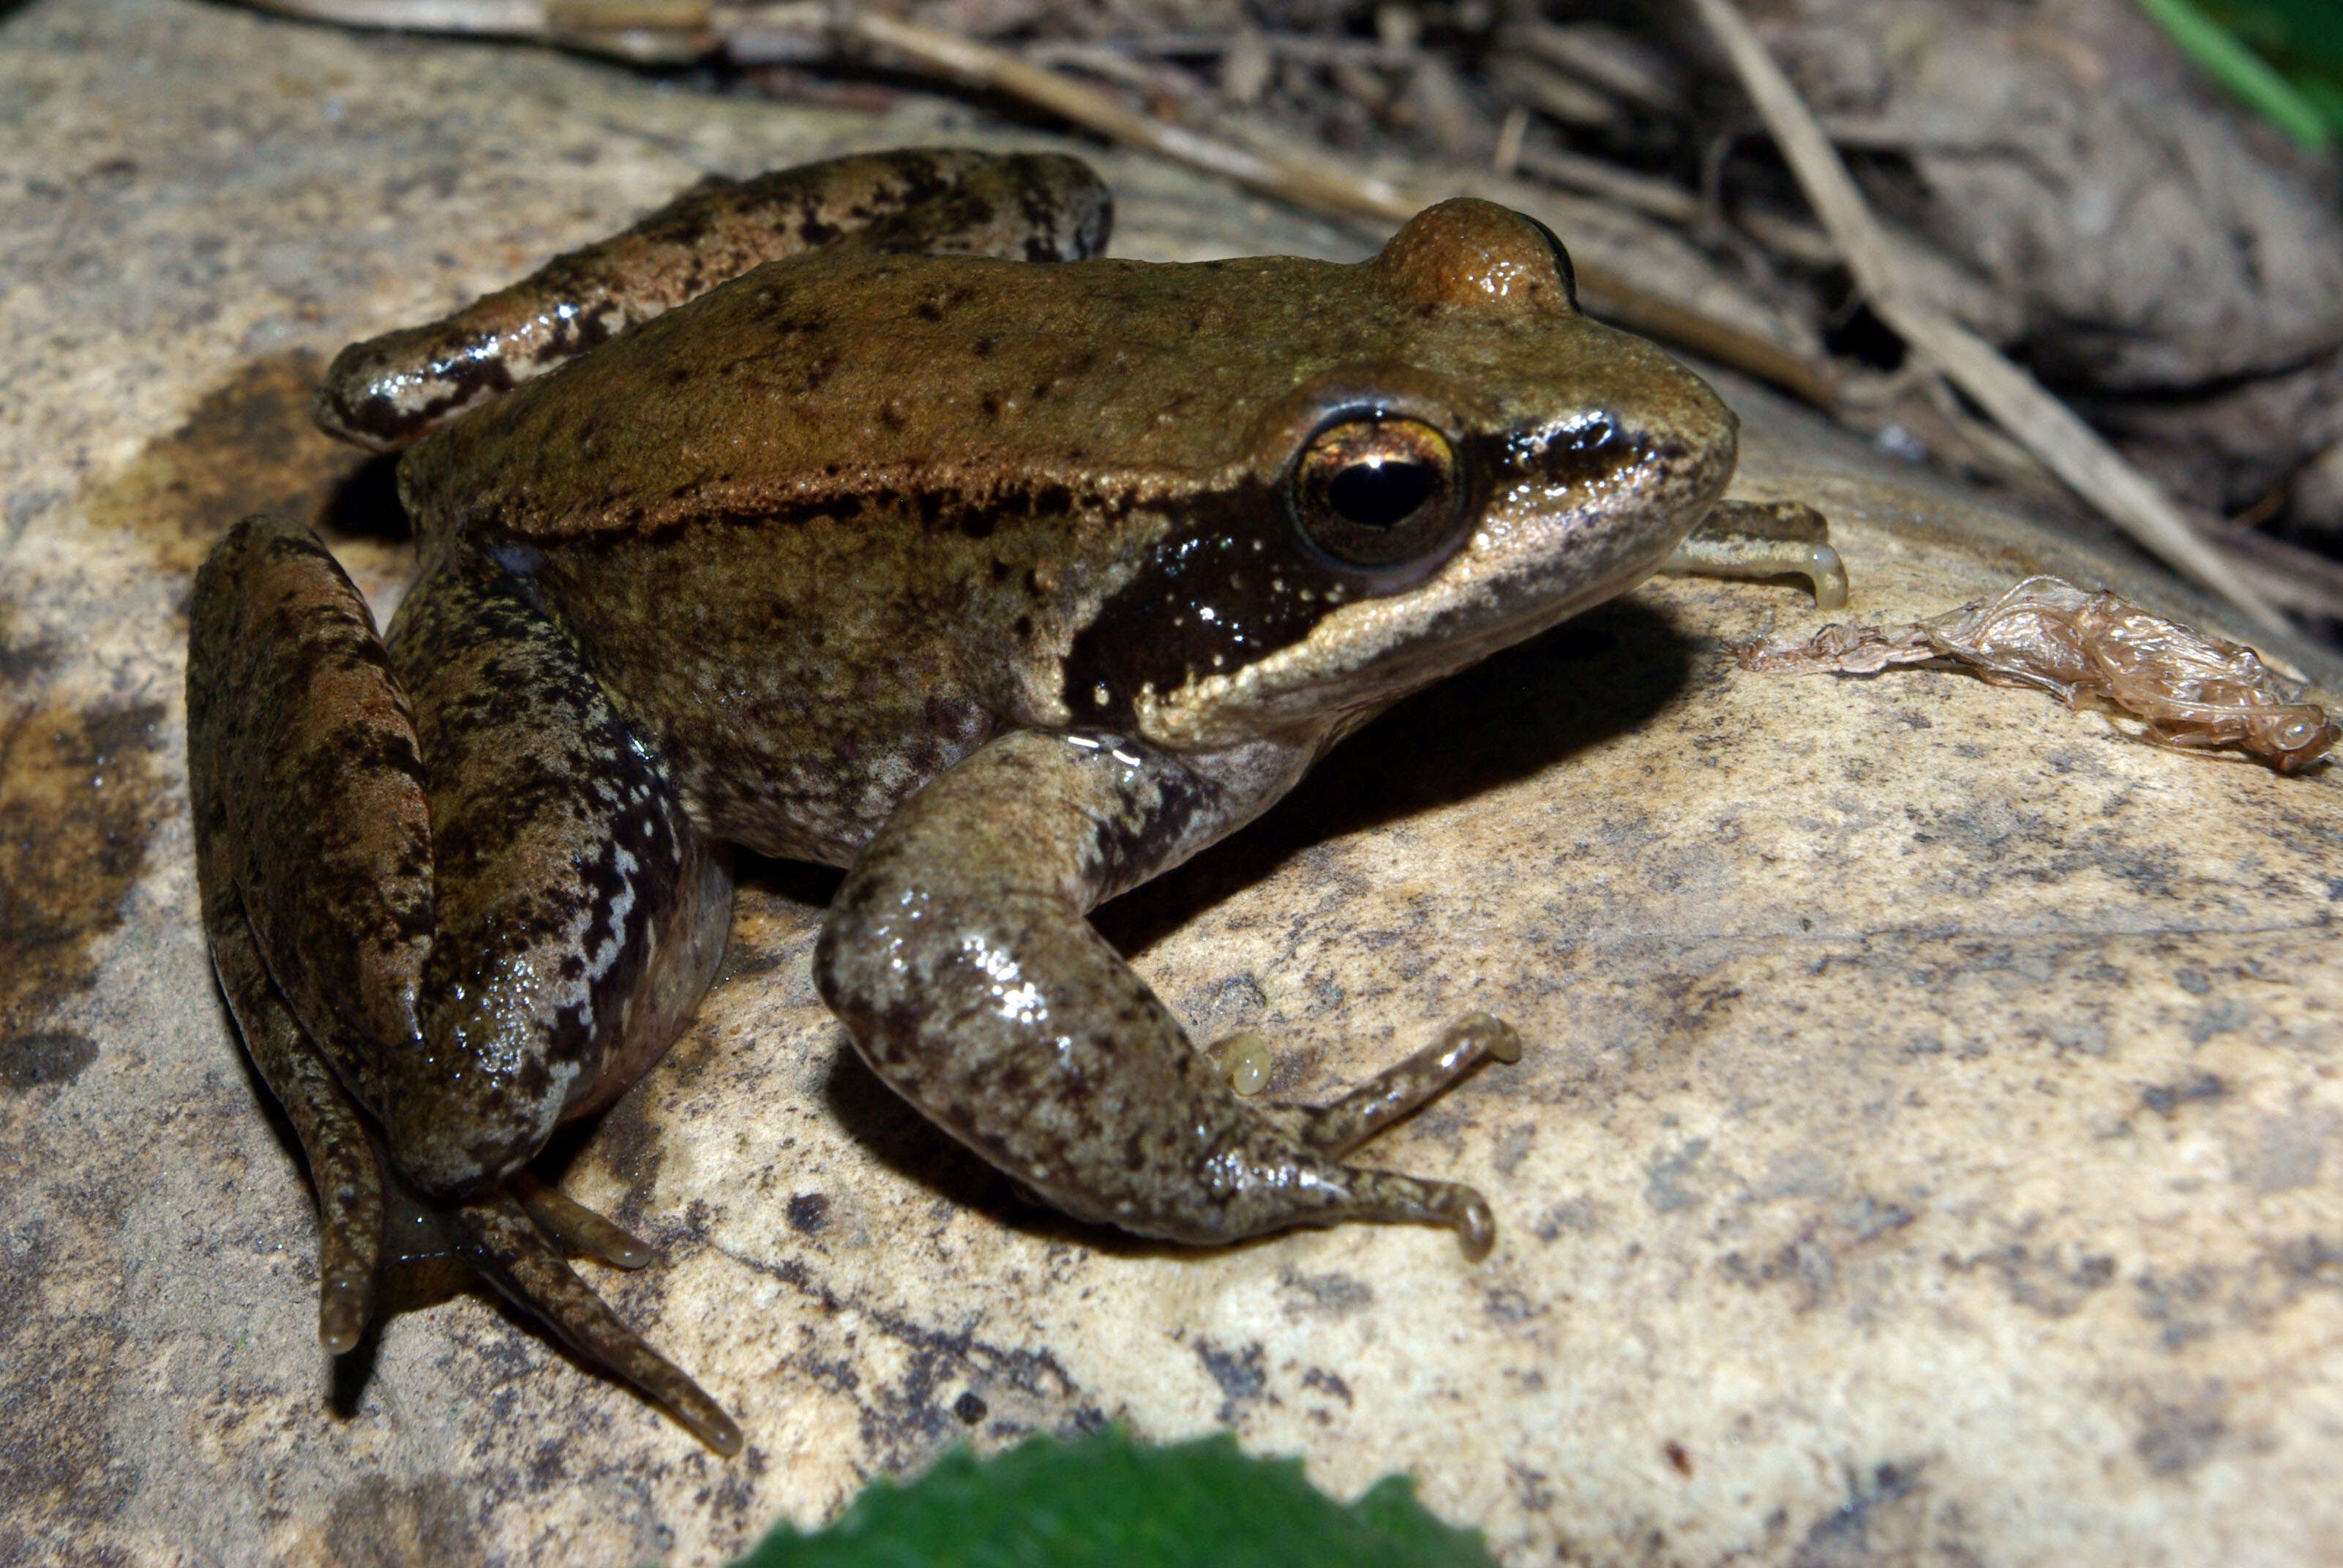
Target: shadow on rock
{"x":1514,"y":714}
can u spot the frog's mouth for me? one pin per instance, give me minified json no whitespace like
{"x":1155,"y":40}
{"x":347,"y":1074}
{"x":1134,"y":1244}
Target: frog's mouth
{"x":1554,"y":540}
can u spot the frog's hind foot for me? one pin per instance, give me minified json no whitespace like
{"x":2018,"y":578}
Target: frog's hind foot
{"x":342,"y":1161}
{"x":501,"y":1241}
{"x":1336,"y":1130}
{"x":578,"y":1228}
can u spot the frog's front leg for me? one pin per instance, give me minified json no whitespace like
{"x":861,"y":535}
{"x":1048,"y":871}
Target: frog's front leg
{"x":959,"y":956}
{"x":451,"y":892}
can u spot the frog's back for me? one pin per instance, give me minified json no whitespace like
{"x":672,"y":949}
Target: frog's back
{"x":831,"y":527}
{"x":826,"y":377}
{"x":820,"y":378}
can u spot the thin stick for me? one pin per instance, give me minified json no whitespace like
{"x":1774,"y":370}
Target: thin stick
{"x":2047,"y":427}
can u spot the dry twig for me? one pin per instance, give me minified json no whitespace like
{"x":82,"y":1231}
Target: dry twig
{"x":2052,"y":432}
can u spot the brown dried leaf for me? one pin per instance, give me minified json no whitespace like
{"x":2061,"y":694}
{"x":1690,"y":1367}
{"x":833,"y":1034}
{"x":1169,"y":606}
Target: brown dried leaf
{"x":2089,"y":649}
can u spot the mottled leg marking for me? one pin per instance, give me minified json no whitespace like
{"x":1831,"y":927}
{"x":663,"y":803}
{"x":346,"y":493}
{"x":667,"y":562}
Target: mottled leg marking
{"x":500,"y":1239}
{"x":577,"y":1227}
{"x":341,"y":1160}
{"x":386,"y":392}
{"x":453,"y":921}
{"x":958,"y":956}
{"x":577,"y":916}
{"x":308,"y":815}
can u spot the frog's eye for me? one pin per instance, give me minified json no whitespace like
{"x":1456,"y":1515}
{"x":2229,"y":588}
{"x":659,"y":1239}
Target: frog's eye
{"x":1377,"y":493}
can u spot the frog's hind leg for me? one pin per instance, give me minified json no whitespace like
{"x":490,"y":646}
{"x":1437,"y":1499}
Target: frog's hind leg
{"x":958,"y":956}
{"x":386,"y":392}
{"x":498,"y":1238}
{"x":315,"y":907}
{"x":473,"y":888}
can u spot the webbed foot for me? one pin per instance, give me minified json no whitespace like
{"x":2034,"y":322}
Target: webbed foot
{"x":499,"y":1238}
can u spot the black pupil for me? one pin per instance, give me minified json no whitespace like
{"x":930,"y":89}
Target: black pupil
{"x":1381,"y":494}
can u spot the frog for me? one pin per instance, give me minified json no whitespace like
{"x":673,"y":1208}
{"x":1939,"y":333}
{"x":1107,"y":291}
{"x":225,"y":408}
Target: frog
{"x":866,"y":513}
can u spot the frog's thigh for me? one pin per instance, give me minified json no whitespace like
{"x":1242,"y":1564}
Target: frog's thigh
{"x":312,"y":855}
{"x":578,"y":914}
{"x":309,"y":793}
{"x":957,"y":955}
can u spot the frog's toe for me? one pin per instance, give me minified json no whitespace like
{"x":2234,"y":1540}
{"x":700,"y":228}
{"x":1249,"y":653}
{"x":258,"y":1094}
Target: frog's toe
{"x":347,"y":1256}
{"x":350,"y":1182}
{"x":1384,"y":1197}
{"x":1405,"y":1086}
{"x":499,"y":1238}
{"x":577,"y":1227}
{"x":342,"y":1161}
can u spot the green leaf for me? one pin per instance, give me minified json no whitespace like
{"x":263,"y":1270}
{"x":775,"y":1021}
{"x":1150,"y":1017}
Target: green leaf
{"x":1105,"y":1501}
{"x":2222,"y":56}
{"x":2304,"y":32}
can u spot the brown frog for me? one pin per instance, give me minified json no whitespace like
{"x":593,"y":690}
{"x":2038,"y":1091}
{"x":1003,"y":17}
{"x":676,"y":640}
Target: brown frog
{"x":883,"y":525}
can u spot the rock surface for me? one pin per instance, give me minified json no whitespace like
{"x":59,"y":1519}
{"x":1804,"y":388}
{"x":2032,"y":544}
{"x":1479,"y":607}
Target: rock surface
{"x":1930,"y":1148}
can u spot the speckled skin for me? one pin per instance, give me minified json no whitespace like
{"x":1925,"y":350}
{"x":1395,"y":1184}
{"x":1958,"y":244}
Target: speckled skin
{"x":1006,"y":586}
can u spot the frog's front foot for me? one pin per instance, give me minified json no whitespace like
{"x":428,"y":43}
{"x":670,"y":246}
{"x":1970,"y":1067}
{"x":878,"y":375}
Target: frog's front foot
{"x":1765,"y":539}
{"x":959,"y":956}
{"x":1336,"y":1130}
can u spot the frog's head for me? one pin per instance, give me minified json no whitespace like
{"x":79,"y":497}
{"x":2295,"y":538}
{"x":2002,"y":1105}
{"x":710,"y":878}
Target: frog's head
{"x":1497,"y":463}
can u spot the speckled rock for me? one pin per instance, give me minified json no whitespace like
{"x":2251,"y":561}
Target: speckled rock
{"x":1930,"y":1150}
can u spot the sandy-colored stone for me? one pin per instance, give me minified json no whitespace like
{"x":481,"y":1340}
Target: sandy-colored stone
{"x":1929,"y":1150}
